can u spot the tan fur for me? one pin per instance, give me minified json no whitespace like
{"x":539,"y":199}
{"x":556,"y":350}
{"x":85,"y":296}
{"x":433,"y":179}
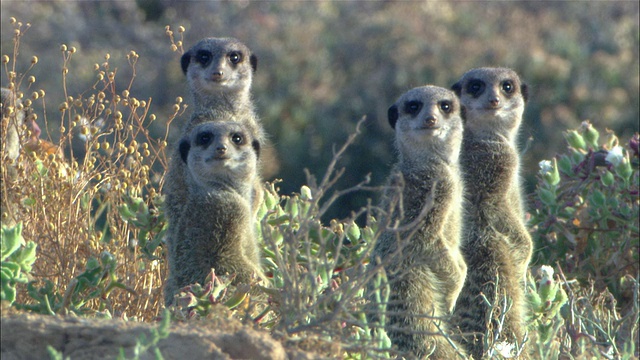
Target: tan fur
{"x":216,"y":230}
{"x":497,"y":246}
{"x":424,"y":265}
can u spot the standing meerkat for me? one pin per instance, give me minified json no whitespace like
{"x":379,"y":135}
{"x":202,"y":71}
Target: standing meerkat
{"x":497,"y":246}
{"x":217,"y":231}
{"x":424,"y":265}
{"x":219,"y":72}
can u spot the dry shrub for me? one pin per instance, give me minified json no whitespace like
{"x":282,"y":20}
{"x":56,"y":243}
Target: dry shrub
{"x":94,"y":215}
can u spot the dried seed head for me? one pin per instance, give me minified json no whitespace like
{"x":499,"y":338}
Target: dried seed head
{"x":5,"y":59}
{"x":34,"y":60}
{"x":63,"y":47}
{"x":181,"y":29}
{"x":31,"y":79}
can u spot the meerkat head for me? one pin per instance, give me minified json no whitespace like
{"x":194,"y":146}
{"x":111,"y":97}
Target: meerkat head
{"x":216,"y":65}
{"x":428,"y":123}
{"x":493,"y":99}
{"x":220,"y":153}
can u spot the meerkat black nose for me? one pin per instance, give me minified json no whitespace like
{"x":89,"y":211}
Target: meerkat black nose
{"x":431,"y":120}
{"x":217,"y":75}
{"x":494,"y":101}
{"x":222,"y":149}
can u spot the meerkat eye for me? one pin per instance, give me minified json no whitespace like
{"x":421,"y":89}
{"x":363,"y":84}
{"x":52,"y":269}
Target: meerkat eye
{"x":446,"y":107}
{"x":237,"y":139}
{"x":412,"y":107}
{"x":508,"y":87}
{"x":235,"y":57}
{"x":203,"y":57}
{"x":204,"y":139}
{"x":475,"y":87}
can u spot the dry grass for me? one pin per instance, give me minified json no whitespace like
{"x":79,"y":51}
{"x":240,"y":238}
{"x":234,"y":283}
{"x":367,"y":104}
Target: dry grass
{"x":70,"y":206}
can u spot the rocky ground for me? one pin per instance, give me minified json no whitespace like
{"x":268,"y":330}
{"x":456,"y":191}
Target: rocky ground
{"x":26,"y":336}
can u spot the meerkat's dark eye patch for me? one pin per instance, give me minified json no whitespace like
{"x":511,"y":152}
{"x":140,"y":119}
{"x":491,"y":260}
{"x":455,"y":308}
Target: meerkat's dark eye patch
{"x":204,"y":57}
{"x":507,"y":86}
{"x":446,"y":106}
{"x":235,"y":57}
{"x":475,"y":87}
{"x":237,"y":138}
{"x":204,"y":139}
{"x":413,"y":107}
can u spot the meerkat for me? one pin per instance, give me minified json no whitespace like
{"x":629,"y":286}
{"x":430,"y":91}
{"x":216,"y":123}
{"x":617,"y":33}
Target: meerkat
{"x":15,"y":120}
{"x":18,"y":117}
{"x":424,"y":265}
{"x":496,"y":246}
{"x":217,"y":231}
{"x":219,"y":72}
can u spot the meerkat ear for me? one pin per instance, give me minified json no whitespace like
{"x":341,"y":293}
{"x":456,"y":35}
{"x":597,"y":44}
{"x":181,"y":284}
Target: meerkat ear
{"x":185,"y":60}
{"x":463,"y":114}
{"x":457,"y":88}
{"x":253,"y":60}
{"x":524,"y":89}
{"x":184,"y":149}
{"x":392,"y":115}
{"x":256,"y":147}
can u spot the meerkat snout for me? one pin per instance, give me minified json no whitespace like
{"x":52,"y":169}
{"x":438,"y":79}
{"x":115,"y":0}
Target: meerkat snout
{"x":221,"y":149}
{"x":431,"y":121}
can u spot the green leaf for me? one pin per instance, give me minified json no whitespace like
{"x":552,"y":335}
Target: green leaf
{"x":10,"y":239}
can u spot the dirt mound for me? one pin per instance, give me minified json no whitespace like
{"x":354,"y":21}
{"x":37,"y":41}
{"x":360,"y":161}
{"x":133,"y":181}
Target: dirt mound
{"x":26,"y":336}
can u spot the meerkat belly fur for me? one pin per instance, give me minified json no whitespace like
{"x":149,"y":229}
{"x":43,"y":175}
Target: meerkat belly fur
{"x":496,"y":246}
{"x":218,"y":231}
{"x":219,"y":72}
{"x":424,"y":265}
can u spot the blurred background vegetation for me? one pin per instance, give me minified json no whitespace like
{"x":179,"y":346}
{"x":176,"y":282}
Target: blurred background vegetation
{"x":324,"y":65}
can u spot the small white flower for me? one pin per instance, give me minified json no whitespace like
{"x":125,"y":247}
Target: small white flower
{"x":506,"y":350}
{"x":545,"y":167}
{"x":546,"y":271}
{"x":615,"y":156}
